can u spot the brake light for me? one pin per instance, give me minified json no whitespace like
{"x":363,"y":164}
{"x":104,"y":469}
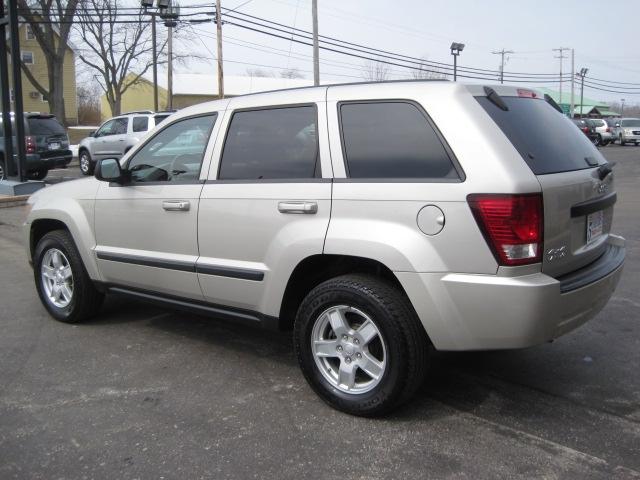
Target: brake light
{"x":608,"y":130}
{"x":30,"y":144}
{"x":585,"y":129}
{"x":512,"y":225}
{"x":527,"y":93}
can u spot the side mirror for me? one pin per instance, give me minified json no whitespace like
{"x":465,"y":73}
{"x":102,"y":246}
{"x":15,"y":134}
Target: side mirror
{"x":617,"y":125}
{"x":108,"y":170}
{"x":92,"y":133}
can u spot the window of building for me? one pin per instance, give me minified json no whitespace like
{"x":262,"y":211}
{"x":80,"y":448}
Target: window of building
{"x":392,"y":140}
{"x":29,"y":33}
{"x":27,"y":58}
{"x":275,"y":143}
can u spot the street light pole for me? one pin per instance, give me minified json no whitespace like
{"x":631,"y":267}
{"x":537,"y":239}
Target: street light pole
{"x":622,"y":109}
{"x":155,"y":62}
{"x":456,"y":48}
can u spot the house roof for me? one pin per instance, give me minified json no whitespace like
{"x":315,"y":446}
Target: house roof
{"x":207,"y":85}
{"x":608,"y":113}
{"x":566,"y":97}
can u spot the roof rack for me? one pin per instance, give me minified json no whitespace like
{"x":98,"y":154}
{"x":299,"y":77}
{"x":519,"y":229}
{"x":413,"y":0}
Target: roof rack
{"x":137,"y":111}
{"x":167,"y":111}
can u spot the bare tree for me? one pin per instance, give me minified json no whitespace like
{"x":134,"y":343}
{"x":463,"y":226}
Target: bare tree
{"x":119,"y":52}
{"x":88,"y":103}
{"x":375,"y":71}
{"x":291,"y":73}
{"x":258,"y":72}
{"x":50,"y":21}
{"x":426,"y":71}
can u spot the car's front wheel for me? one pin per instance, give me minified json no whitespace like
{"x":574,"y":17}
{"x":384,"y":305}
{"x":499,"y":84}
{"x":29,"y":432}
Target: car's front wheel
{"x":62,"y":282}
{"x":622,"y":142}
{"x":86,"y":168}
{"x":360,"y":344}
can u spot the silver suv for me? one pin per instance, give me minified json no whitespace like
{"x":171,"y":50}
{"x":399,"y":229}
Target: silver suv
{"x":628,"y":130}
{"x":116,"y":136}
{"x":378,"y":221}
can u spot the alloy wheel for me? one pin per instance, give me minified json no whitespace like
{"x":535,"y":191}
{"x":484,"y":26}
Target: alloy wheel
{"x":348,"y":349}
{"x":57,"y":278}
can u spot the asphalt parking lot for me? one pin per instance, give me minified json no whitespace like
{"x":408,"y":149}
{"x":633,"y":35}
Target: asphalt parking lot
{"x":140,"y":392}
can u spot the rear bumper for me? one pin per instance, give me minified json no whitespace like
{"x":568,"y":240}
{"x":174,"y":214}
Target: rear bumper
{"x":35,"y":161}
{"x":480,"y":312}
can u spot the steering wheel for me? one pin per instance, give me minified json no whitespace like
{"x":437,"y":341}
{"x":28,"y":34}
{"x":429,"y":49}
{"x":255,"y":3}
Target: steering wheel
{"x":179,"y":165}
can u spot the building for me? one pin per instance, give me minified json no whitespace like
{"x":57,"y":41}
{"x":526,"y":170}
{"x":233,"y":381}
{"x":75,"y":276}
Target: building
{"x":193,"y":88}
{"x":34,"y":58}
{"x":589,"y":108}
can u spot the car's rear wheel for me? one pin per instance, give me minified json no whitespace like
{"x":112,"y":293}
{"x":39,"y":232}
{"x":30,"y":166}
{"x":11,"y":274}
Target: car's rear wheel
{"x":39,"y":174}
{"x":86,"y":168}
{"x":598,"y":140}
{"x":2,"y":169}
{"x":360,"y":344}
{"x":62,"y":282}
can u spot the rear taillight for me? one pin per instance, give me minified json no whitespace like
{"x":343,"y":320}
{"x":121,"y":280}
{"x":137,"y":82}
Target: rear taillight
{"x":30,"y":144}
{"x":512,"y":225}
{"x":608,"y":130}
{"x":585,"y":129}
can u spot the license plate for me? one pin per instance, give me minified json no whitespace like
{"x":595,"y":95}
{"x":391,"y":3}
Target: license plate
{"x":594,"y":225}
{"x":54,"y":146}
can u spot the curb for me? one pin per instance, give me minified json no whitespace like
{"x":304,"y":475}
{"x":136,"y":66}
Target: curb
{"x":6,"y":202}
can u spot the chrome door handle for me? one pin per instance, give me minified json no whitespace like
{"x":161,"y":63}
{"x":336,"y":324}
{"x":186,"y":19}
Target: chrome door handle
{"x":176,"y":205}
{"x":298,"y":207}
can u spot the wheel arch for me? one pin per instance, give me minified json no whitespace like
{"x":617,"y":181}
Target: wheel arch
{"x":315,"y":269}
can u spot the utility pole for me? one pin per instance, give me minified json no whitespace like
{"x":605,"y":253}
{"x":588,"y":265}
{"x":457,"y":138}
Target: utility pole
{"x":573,"y":75}
{"x":622,"y":107}
{"x":502,"y":54}
{"x":155,"y":62}
{"x":18,"y":110}
{"x":561,"y":57}
{"x":170,"y":69}
{"x":583,"y":73}
{"x":219,"y":42}
{"x":316,"y":47}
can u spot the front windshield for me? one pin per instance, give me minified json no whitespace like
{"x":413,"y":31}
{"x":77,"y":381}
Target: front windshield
{"x":631,"y":123}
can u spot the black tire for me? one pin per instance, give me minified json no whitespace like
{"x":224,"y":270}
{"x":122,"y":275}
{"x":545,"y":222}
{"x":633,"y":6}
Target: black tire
{"x":3,"y":169}
{"x":598,"y":140}
{"x":622,"y":142}
{"x":407,"y":344}
{"x":86,"y":299}
{"x":39,"y":174}
{"x":86,"y":165}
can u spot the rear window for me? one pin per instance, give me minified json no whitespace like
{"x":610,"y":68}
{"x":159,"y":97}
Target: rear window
{"x":598,"y":123}
{"x":45,"y":126}
{"x":545,"y":138}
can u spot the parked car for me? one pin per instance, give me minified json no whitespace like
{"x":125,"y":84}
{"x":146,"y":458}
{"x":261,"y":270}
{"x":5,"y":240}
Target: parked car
{"x":116,"y":136}
{"x":605,"y":129}
{"x":587,"y":127}
{"x":628,"y":130}
{"x":379,"y":221}
{"x":46,"y":145}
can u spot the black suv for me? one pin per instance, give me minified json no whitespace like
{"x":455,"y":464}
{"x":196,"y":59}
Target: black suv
{"x":46,"y":145}
{"x":588,"y":128}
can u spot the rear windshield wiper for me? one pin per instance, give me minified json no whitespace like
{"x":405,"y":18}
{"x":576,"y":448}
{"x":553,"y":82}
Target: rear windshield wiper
{"x":496,"y":99}
{"x":552,"y":102}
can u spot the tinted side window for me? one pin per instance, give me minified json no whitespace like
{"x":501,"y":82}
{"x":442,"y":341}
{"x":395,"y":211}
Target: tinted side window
{"x":272,"y":143}
{"x":121,"y":126}
{"x":173,"y":154}
{"x":392,"y":140}
{"x":140,"y":124}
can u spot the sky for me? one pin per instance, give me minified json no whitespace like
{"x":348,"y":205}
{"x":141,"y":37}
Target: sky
{"x":604,"y":41}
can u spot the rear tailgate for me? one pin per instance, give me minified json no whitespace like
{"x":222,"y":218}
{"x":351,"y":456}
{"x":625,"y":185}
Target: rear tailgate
{"x":50,"y":136}
{"x":578,"y":205}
